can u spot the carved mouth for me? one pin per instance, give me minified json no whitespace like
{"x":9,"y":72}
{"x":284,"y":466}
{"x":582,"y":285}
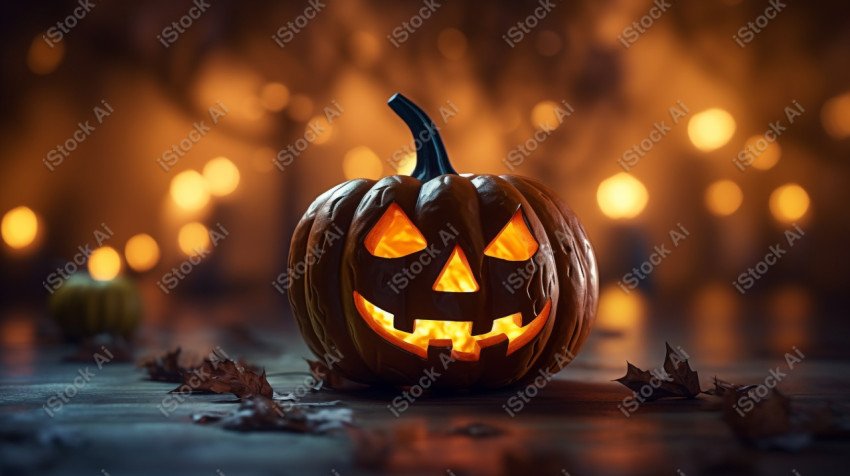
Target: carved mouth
{"x":454,"y":334}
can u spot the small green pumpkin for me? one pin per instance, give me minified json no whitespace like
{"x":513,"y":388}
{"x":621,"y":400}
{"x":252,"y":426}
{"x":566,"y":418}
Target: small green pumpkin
{"x":84,"y":307}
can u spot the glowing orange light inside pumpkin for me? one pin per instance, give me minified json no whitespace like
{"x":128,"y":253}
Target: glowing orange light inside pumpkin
{"x":514,"y":242}
{"x":394,"y":235}
{"x":456,"y":276}
{"x":455,"y":333}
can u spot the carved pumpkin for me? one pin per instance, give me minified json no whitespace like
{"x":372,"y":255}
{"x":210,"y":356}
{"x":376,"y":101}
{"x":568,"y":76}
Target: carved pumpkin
{"x":486,"y":279}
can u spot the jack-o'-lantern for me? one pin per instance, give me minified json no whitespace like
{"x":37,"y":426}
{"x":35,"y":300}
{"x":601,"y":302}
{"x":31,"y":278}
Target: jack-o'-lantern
{"x":472,"y":281}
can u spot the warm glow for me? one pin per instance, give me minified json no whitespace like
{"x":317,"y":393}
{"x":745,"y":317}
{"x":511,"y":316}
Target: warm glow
{"x":765,"y":153}
{"x":455,"y":333}
{"x":789,"y":202}
{"x":362,"y":162}
{"x":452,"y":43}
{"x":193,"y":238}
{"x":274,"y":96}
{"x":19,"y":227}
{"x":189,"y":190}
{"x":394,"y":235}
{"x":319,"y":128}
{"x":222,"y":176}
{"x":104,"y":263}
{"x":514,"y":242}
{"x":723,"y":197}
{"x":141,"y":252}
{"x":544,"y":114}
{"x":407,"y":164}
{"x":619,"y":311}
{"x":300,"y":107}
{"x":711,"y":129}
{"x":621,"y":196}
{"x":456,"y":276}
{"x":43,"y":58}
{"x":835,"y":116}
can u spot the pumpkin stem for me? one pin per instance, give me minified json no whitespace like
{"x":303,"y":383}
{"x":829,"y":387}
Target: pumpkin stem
{"x":431,"y":158}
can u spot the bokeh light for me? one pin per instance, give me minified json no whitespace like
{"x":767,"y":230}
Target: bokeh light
{"x":19,"y":227}
{"x":621,"y":196}
{"x":723,"y":197}
{"x":406,"y":164}
{"x":189,"y":190}
{"x":452,"y":43}
{"x":222,"y":176}
{"x":835,"y":116}
{"x":274,"y":96}
{"x":765,"y":154}
{"x":104,"y":263}
{"x":300,"y":107}
{"x":319,"y":128}
{"x":193,"y":238}
{"x":362,"y":162}
{"x":44,"y":58}
{"x":543,"y":114}
{"x":619,"y":311}
{"x":711,"y":129}
{"x":141,"y":252}
{"x":789,"y":202}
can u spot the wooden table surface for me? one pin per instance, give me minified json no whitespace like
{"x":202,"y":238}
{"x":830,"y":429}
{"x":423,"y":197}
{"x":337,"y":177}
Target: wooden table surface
{"x":112,"y":426}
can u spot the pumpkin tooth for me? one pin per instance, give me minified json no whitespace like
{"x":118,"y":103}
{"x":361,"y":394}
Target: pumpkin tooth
{"x":428,"y":335}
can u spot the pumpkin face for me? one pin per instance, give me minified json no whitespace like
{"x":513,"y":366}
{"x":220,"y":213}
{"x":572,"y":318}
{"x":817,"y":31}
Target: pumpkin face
{"x":485,"y":279}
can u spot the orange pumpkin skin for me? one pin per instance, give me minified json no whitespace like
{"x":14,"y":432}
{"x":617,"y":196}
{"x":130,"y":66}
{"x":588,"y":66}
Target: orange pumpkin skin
{"x":333,"y":274}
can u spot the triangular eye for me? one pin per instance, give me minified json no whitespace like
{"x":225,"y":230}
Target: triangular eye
{"x":514,"y":242}
{"x":394,"y":235}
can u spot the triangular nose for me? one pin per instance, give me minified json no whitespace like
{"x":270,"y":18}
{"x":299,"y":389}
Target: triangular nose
{"x":456,"y":276}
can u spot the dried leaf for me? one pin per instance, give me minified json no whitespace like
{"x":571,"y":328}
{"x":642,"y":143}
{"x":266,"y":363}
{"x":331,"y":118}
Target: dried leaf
{"x":763,"y":422}
{"x":220,"y":374}
{"x":722,"y":387}
{"x":166,"y":367}
{"x":328,"y":377}
{"x":675,"y":380}
{"x":258,"y":413}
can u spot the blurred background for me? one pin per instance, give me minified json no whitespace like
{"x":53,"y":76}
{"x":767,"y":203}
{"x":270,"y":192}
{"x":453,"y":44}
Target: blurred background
{"x":116,"y":122}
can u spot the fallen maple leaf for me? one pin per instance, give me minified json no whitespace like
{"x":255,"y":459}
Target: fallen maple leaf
{"x":675,"y":380}
{"x":165,"y":368}
{"x":258,"y":413}
{"x":223,"y":375}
